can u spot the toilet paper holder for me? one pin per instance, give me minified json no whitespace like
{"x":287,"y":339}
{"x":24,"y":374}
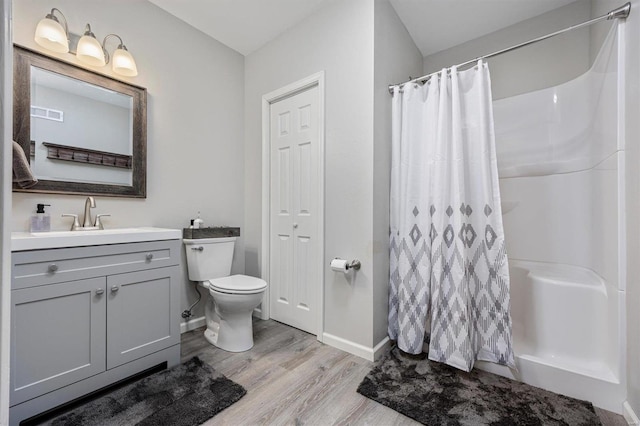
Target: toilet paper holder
{"x":354,"y":264}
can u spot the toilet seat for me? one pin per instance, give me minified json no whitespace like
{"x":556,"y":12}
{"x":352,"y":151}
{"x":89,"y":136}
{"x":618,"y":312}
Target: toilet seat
{"x":237,"y":284}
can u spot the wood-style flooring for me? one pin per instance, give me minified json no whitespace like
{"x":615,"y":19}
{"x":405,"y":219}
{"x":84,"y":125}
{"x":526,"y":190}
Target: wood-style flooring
{"x":292,"y":379}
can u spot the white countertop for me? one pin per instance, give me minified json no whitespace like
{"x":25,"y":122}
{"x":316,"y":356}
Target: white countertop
{"x":21,"y":241}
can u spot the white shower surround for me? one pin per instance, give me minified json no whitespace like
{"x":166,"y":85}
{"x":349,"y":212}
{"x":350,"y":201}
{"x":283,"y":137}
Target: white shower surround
{"x":561,"y":166}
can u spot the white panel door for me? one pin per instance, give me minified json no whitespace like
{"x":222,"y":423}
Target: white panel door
{"x":294,"y":276}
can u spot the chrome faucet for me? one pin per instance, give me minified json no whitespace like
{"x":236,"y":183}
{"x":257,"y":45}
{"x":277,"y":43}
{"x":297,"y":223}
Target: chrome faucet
{"x":87,"y":224}
{"x":91,"y":202}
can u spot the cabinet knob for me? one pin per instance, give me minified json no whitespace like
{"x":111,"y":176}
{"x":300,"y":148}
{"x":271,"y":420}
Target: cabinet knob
{"x":115,"y":288}
{"x":149,"y":256}
{"x":99,"y":291}
{"x":53,"y":267}
{"x":295,"y":226}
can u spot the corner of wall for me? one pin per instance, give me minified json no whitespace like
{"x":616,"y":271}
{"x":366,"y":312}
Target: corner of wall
{"x":632,"y":155}
{"x":6,"y":102}
{"x":370,"y":354}
{"x":630,"y":415}
{"x":395,"y":58}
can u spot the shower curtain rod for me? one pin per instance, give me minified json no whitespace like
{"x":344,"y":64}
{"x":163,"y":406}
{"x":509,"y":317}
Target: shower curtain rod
{"x":620,"y":12}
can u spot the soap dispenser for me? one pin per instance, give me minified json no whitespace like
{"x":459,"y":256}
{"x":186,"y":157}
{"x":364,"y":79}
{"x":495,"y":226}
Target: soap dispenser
{"x":198,"y":223}
{"x":41,"y":221}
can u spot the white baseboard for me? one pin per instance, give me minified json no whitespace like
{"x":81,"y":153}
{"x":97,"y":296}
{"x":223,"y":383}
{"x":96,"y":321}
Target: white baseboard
{"x":381,"y":348}
{"x":192,"y":324}
{"x":629,"y":415}
{"x":370,"y":354}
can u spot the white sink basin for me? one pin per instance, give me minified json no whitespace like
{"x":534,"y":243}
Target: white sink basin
{"x":95,"y":232}
{"x":21,"y":241}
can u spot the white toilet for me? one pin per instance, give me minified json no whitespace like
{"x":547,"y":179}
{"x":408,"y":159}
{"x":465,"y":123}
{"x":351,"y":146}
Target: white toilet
{"x":233,"y":297}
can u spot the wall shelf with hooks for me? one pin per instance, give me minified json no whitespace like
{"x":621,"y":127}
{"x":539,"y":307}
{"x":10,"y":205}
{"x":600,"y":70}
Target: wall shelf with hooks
{"x":90,"y":156}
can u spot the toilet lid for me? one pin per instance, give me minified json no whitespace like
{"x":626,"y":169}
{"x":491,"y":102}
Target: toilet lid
{"x":238,"y":284}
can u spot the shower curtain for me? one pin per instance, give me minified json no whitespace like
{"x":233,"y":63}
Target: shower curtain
{"x":449,"y":276}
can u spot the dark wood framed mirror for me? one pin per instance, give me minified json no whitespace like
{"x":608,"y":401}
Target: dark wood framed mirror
{"x":82,"y":132}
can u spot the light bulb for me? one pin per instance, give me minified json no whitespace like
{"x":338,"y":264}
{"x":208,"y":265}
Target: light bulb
{"x":89,"y":49}
{"x":123,"y":63}
{"x":51,"y":35}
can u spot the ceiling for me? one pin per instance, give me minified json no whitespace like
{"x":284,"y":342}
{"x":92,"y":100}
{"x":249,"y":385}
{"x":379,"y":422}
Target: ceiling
{"x":243,"y":25}
{"x":430,"y":22}
{"x":247,"y":25}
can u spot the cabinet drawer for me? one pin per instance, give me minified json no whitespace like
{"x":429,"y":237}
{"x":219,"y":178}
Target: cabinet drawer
{"x":41,"y":267}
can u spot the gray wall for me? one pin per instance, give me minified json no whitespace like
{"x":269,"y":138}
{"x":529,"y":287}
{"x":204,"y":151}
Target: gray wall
{"x":195,"y":120}
{"x":345,"y":37}
{"x":537,"y":66}
{"x":339,"y":40}
{"x":396,"y":58}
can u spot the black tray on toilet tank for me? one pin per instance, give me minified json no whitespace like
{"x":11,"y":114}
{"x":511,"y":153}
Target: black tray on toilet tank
{"x":211,"y":232}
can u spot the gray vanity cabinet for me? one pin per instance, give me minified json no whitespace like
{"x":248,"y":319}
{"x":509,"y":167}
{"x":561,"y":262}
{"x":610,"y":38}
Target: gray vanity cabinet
{"x":86,"y":317}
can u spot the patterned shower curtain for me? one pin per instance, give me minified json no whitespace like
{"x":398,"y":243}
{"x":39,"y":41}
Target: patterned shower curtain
{"x":449,"y":277}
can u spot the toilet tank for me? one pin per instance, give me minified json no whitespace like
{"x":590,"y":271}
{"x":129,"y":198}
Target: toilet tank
{"x":209,"y":258}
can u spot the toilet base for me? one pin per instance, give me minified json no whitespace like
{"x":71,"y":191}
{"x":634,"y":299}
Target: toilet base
{"x":237,"y":344}
{"x":229,"y":321}
{"x":242,"y":344}
{"x":211,"y":335}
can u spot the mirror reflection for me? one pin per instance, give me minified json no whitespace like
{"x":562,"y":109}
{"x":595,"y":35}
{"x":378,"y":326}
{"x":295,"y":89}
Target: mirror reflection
{"x":79,"y":132}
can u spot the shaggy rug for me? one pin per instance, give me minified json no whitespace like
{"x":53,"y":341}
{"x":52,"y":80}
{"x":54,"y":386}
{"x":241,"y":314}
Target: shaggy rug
{"x":436,"y":394}
{"x":186,"y":395}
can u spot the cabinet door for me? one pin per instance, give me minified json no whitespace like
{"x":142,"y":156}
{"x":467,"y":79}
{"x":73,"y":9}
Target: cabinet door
{"x":57,"y":336}
{"x":143,"y":314}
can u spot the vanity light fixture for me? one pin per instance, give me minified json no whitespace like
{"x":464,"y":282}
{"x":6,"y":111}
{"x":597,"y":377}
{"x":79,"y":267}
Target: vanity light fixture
{"x":51,"y":35}
{"x":121,"y":62}
{"x":91,"y":52}
{"x":89,"y":49}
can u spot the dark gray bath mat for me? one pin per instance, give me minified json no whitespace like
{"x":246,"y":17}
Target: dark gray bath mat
{"x":435,"y":394}
{"x":186,"y":395}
